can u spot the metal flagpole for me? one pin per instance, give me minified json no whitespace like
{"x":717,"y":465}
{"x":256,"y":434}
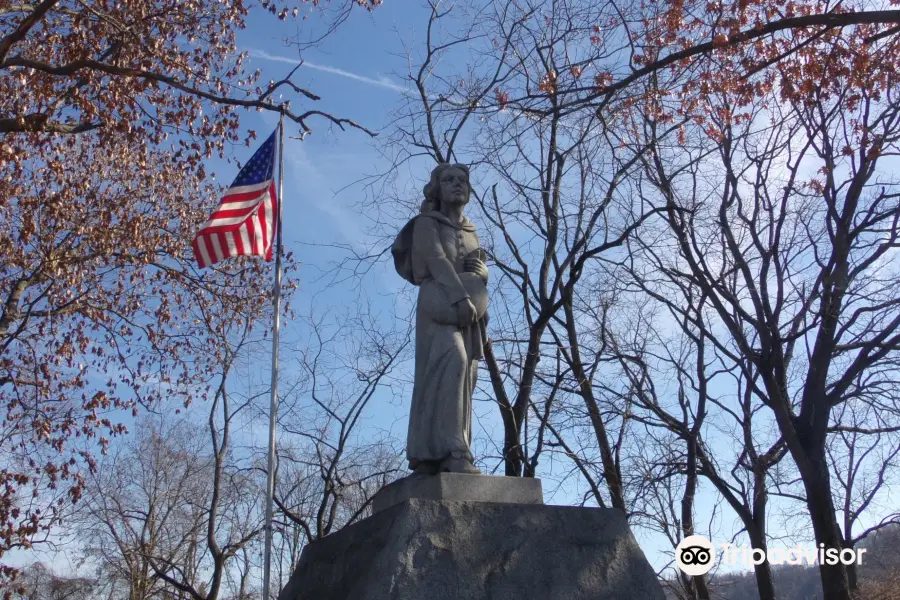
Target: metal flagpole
{"x":273,"y":405}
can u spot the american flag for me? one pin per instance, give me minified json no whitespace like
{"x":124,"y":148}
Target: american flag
{"x":244,"y":222}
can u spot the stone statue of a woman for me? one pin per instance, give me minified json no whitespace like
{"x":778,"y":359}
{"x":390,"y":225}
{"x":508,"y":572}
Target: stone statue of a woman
{"x":439,"y":252}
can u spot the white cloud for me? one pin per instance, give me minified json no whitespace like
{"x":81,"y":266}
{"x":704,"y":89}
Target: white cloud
{"x":382,"y":82}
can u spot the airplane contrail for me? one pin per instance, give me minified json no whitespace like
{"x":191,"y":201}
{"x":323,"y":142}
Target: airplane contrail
{"x":383,"y":83}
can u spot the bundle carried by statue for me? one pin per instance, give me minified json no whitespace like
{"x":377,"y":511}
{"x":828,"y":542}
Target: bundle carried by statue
{"x":436,"y":304}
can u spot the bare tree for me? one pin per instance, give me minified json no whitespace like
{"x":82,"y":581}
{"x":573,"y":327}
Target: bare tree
{"x":674,"y":379}
{"x":172,"y":511}
{"x":862,"y":449}
{"x":144,"y":502}
{"x":754,"y":255}
{"x":38,"y":582}
{"x":795,"y":263}
{"x":329,"y":463}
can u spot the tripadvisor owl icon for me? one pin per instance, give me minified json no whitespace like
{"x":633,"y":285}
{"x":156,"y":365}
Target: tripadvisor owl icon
{"x":695,"y":555}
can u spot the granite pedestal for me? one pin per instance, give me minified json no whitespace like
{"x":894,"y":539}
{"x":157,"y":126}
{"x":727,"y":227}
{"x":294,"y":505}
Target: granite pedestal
{"x":458,"y":487}
{"x":434,"y":548}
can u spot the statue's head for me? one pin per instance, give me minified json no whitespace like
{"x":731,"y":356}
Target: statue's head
{"x":449,"y":183}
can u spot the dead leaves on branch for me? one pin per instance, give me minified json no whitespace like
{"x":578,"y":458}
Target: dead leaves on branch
{"x":136,"y":63}
{"x":687,"y":51}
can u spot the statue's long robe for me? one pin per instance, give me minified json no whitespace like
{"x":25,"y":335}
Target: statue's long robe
{"x":440,"y":420}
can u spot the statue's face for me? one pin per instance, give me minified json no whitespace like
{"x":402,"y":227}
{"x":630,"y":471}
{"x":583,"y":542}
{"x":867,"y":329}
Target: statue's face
{"x":454,"y":186}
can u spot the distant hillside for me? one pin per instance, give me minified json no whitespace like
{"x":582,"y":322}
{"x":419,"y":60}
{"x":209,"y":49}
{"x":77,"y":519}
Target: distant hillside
{"x":791,"y":583}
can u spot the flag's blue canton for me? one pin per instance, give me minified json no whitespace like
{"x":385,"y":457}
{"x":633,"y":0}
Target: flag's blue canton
{"x":260,"y":167}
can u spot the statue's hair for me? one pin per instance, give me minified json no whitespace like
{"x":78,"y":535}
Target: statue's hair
{"x":432,"y":189}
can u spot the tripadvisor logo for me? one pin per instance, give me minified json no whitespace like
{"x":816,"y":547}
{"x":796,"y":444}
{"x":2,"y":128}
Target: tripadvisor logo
{"x":696,"y":555}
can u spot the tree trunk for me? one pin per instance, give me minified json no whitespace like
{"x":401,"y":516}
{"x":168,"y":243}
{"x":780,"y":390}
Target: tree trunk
{"x":852,"y":574}
{"x":611,"y":473}
{"x":697,"y":586}
{"x":513,"y":413}
{"x":805,"y":438}
{"x":513,"y":458}
{"x":816,"y":480}
{"x":763,"y":572}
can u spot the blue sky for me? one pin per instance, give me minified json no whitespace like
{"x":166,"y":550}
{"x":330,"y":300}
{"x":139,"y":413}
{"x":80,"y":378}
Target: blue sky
{"x":352,"y":72}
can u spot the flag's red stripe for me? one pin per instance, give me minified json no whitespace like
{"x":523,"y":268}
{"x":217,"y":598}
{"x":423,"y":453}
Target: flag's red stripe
{"x":251,"y":235}
{"x":273,"y":221}
{"x":261,"y":215}
{"x":223,"y":244}
{"x":238,"y":243}
{"x":197,"y":255}
{"x":227,"y":214}
{"x":243,"y":197}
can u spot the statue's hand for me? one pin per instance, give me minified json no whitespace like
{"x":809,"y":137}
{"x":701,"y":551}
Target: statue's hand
{"x":475,"y":265}
{"x":466,"y":312}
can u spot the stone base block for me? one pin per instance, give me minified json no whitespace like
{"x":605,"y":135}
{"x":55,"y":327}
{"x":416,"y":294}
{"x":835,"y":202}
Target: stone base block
{"x":444,"y":550}
{"x":460,"y":487}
